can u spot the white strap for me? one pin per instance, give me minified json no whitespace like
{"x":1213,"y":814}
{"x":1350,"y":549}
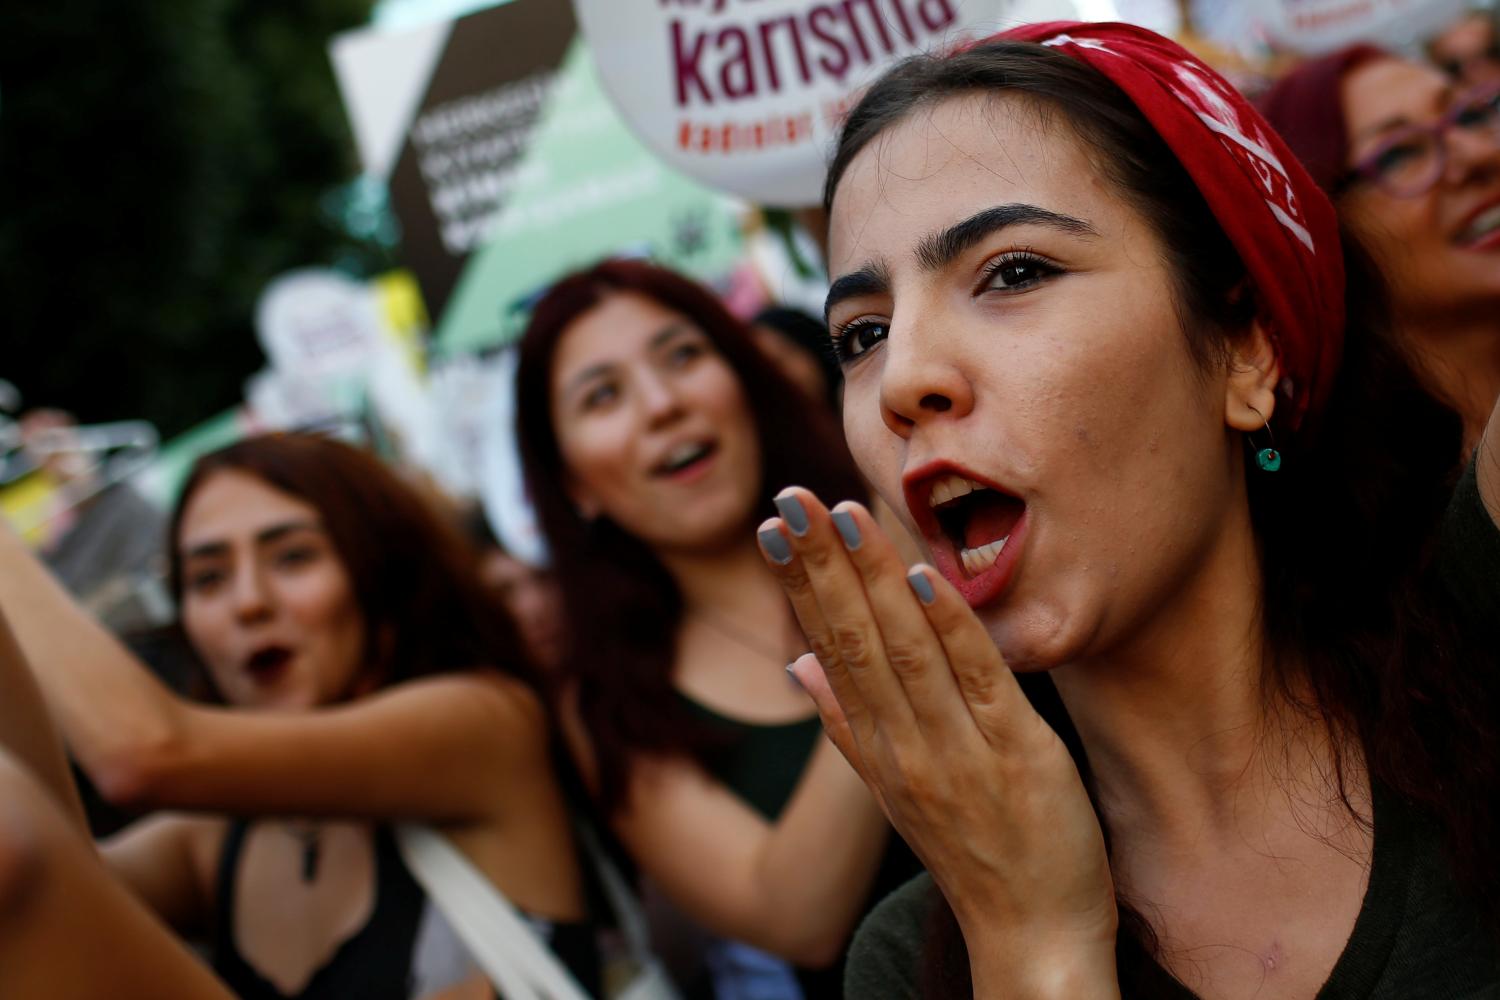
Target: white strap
{"x":628,"y":913}
{"x":496,"y":934}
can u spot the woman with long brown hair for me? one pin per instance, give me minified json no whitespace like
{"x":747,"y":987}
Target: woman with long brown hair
{"x":653,"y":434}
{"x":363,"y":678}
{"x":1106,"y":352}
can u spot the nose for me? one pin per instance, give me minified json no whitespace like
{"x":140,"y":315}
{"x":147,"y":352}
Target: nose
{"x":252,"y":597}
{"x":659,"y":399}
{"x":921,"y":378}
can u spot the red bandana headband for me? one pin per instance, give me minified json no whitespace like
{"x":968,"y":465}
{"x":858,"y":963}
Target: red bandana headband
{"x":1282,"y":225}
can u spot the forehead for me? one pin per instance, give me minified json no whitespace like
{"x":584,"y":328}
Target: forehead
{"x":1383,"y":91}
{"x":945,"y":162}
{"x":231,"y":505}
{"x":1472,"y":34}
{"x":621,"y":327}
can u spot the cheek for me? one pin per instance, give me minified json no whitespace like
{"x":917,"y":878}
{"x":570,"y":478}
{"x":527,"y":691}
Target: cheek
{"x":875,"y":448}
{"x":322,"y":602}
{"x":598,"y":456}
{"x":1395,"y":231}
{"x":204,"y":623}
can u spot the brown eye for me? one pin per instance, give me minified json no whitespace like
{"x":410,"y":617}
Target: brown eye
{"x":858,"y":337}
{"x":1013,"y":272}
{"x":203,"y":581}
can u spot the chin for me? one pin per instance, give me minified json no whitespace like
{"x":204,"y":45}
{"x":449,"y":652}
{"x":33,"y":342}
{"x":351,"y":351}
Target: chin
{"x":1030,"y":640}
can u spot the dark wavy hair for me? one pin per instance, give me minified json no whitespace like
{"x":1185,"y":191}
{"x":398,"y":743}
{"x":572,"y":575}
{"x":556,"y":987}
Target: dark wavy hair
{"x":414,"y":576}
{"x":612,"y":583}
{"x":1372,"y":636}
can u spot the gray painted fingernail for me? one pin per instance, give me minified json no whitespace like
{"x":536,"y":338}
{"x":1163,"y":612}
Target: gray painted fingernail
{"x":848,"y":528}
{"x":793,"y":675}
{"x":922,"y":586}
{"x":775,"y":545}
{"x":793,"y":513}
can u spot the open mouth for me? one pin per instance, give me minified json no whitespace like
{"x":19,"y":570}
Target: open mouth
{"x":1480,"y":228}
{"x":685,"y":459}
{"x":972,"y":528}
{"x":267,"y":664}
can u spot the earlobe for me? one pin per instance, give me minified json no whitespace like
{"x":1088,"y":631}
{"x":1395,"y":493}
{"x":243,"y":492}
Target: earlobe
{"x":1254,"y":373}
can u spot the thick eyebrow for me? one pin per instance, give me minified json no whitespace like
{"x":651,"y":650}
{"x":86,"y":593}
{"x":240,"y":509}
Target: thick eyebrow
{"x":868,"y":279}
{"x":265,"y":536}
{"x":592,"y":372}
{"x":667,"y":333}
{"x":937,"y":250}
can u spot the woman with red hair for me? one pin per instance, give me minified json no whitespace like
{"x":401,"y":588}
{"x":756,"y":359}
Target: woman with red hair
{"x":1411,"y":159}
{"x":359,"y":676}
{"x":653,"y":434}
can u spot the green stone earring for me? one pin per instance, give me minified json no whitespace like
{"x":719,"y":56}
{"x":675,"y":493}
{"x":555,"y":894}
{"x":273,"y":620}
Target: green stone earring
{"x":1269,"y":459}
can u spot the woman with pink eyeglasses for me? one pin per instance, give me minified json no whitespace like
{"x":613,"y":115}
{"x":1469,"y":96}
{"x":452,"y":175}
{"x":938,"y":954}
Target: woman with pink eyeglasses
{"x":1412,"y":160}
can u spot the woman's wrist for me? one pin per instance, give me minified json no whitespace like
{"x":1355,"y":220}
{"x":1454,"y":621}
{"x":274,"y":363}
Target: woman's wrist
{"x":1086,"y":972}
{"x":1008,"y":962}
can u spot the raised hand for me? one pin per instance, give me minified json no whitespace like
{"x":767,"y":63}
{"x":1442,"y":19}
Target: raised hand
{"x":914,"y":693}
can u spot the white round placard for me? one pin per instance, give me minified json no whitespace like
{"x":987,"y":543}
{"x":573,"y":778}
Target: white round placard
{"x":746,"y":96}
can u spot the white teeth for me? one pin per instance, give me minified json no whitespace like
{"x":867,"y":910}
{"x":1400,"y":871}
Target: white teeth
{"x":1483,"y":224}
{"x":978,"y":560}
{"x":683,"y":454}
{"x":950,"y":488}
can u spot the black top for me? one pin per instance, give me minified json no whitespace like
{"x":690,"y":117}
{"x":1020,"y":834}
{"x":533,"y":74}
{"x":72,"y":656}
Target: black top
{"x":1416,"y":938}
{"x":377,"y":962}
{"x":762,"y":764}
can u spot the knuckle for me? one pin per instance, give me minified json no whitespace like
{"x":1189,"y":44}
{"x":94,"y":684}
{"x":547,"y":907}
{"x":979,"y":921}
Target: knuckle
{"x":824,"y":648}
{"x":817,"y":557}
{"x":906,"y":659}
{"x":852,"y":643}
{"x":794,"y":580}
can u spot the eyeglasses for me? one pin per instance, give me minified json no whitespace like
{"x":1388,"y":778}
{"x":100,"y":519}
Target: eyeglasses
{"x":1409,"y":160}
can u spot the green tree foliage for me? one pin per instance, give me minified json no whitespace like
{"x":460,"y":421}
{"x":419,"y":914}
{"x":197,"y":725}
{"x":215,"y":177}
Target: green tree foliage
{"x":159,"y":162}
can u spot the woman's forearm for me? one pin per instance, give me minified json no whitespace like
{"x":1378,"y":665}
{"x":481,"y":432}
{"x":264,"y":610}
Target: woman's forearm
{"x":108,"y":706}
{"x":819,"y":860}
{"x":26,"y":727}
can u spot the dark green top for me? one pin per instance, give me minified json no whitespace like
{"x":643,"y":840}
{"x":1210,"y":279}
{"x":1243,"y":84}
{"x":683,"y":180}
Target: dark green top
{"x":1469,"y":560}
{"x":1416,"y":938}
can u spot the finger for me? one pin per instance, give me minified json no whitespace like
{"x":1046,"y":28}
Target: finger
{"x":858,"y":658}
{"x":987,"y":686}
{"x":809,"y":674}
{"x":774,"y":538}
{"x":914,"y":653}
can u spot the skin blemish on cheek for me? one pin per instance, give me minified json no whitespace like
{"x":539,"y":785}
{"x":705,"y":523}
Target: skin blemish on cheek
{"x":1273,"y":957}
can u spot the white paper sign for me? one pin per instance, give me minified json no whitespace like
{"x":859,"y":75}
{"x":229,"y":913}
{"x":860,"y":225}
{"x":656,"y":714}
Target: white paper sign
{"x":747,"y":95}
{"x":1313,"y":27}
{"x":317,"y":322}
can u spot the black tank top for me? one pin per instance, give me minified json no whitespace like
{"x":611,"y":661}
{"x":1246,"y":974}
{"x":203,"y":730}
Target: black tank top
{"x":762,"y":763}
{"x":377,"y":962}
